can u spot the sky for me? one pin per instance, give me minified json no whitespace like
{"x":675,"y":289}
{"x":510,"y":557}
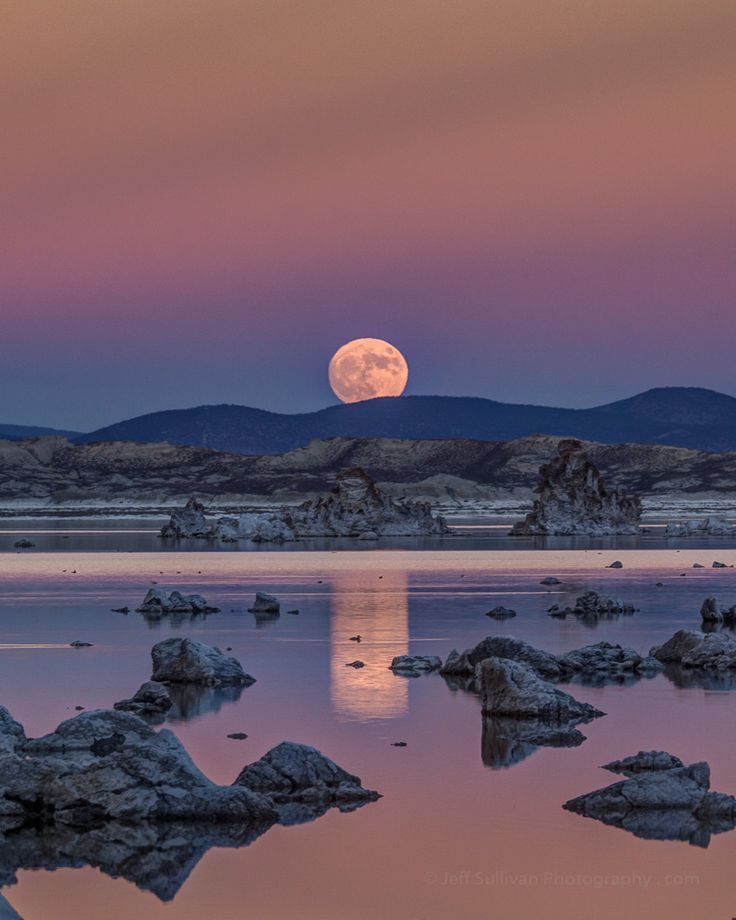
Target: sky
{"x":533,"y":200}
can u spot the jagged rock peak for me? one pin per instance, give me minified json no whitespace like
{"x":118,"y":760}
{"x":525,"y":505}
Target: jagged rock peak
{"x":573,"y":499}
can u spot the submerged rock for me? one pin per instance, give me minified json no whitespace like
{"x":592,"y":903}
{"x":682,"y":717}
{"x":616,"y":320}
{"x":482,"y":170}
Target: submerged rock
{"x":509,"y":688}
{"x":188,"y":661}
{"x":574,"y":500}
{"x":662,"y":804}
{"x":189,"y":521}
{"x":501,"y":613}
{"x":159,"y":603}
{"x":415,"y":665}
{"x":150,"y":700}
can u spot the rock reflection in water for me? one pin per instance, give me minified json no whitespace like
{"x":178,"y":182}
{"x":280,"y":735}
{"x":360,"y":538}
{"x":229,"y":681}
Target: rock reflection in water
{"x":506,"y":742}
{"x":191,"y":701}
{"x":378,"y":611}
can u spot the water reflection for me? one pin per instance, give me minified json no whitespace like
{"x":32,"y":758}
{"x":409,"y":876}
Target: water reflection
{"x":191,"y":701}
{"x":506,"y":742}
{"x":378,"y":611}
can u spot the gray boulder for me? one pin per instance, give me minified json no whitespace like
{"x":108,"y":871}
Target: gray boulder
{"x":265,"y":603}
{"x":682,"y":642}
{"x":509,"y":688}
{"x":464,"y":663}
{"x":415,"y":665}
{"x":713,"y":612}
{"x":151,"y":699}
{"x":301,"y":782}
{"x":601,"y":657}
{"x":592,"y":606}
{"x":188,"y":661}
{"x":501,"y":613}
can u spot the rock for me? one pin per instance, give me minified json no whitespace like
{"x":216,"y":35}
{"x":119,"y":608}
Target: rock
{"x":649,"y":666}
{"x":509,"y":688}
{"x":717,"y":651}
{"x":662,"y":804}
{"x":191,"y":662}
{"x":24,"y":544}
{"x":265,"y":603}
{"x":644,"y":762}
{"x":105,"y":789}
{"x":398,"y":744}
{"x":355,"y":664}
{"x":711,"y":525}
{"x":355,"y":508}
{"x":464,"y":663}
{"x":121,"y":609}
{"x":157,"y":603}
{"x":414,"y":665}
{"x":188,"y":522}
{"x":713,"y":612}
{"x":592,"y":606}
{"x":151,"y":699}
{"x":720,"y":565}
{"x":615,"y":565}
{"x":238,"y":736}
{"x":550,"y":580}
{"x":698,"y":565}
{"x":79,"y":644}
{"x":293,"y":613}
{"x":574,"y":500}
{"x":301,"y":782}
{"x":501,"y":613}
{"x":683,"y":642}
{"x":601,"y":657}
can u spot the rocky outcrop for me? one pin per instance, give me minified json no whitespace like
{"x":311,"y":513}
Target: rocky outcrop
{"x":189,"y":521}
{"x":711,"y":526}
{"x":662,"y":804}
{"x":464,"y":663}
{"x":301,"y":783}
{"x":692,"y":649}
{"x":106,"y":789}
{"x":415,"y":665}
{"x":714,"y":613}
{"x":644,"y":762}
{"x":354,"y":508}
{"x":157,"y":603}
{"x":603,"y":661}
{"x":150,"y":701}
{"x":592,"y":607}
{"x":187,"y":661}
{"x":572,"y":499}
{"x":511,"y":689}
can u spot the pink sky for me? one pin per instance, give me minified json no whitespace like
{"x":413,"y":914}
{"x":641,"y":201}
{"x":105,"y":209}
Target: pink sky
{"x":520,"y":196}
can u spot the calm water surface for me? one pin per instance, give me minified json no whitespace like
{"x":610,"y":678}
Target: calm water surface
{"x":455,"y":834}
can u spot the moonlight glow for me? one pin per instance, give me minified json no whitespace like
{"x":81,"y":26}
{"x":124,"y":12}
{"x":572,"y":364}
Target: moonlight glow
{"x":367,"y":368}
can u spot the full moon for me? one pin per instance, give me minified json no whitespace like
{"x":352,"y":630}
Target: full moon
{"x":367,"y":368}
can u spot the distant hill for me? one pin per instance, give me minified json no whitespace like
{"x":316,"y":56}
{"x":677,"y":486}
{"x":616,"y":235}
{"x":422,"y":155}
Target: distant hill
{"x":680,"y":416}
{"x":20,"y":432}
{"x":47,"y":474}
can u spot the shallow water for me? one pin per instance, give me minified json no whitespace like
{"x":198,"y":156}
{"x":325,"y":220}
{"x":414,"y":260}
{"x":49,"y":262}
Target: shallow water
{"x":451,"y":836}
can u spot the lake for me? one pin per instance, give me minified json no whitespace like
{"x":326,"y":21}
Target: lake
{"x":456,"y":833}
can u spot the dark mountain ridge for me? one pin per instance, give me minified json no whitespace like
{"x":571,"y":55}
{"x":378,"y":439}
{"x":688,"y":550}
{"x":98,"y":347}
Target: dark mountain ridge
{"x":679,"y":416}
